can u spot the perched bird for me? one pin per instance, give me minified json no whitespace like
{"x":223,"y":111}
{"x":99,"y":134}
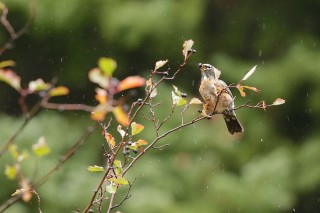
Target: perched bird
{"x":218,"y":97}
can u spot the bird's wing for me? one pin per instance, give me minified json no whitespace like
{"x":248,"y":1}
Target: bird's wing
{"x":225,"y":87}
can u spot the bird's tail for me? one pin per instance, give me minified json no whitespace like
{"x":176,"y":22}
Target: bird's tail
{"x":232,"y":122}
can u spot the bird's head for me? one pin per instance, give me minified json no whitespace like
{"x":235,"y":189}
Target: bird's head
{"x":207,"y":71}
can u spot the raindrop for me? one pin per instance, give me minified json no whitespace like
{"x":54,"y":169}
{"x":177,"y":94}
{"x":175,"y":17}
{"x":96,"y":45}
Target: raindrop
{"x":307,"y":95}
{"x":261,"y":140}
{"x":288,"y":118}
{"x":192,"y":83}
{"x":260,"y":53}
{"x":294,"y":210}
{"x":207,"y":187}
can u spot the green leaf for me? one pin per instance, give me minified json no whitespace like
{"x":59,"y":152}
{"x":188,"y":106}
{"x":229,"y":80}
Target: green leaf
{"x":118,"y":167}
{"x":119,"y":180}
{"x":107,"y":66}
{"x":41,"y":148}
{"x":136,"y":128}
{"x":111,"y":188}
{"x":10,"y":172}
{"x":96,"y":169}
{"x":178,"y":100}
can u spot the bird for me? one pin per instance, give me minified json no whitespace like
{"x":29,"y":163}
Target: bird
{"x":218,"y":97}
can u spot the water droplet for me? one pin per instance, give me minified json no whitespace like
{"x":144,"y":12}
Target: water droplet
{"x":260,"y":53}
{"x":261,"y":140}
{"x":293,"y":210}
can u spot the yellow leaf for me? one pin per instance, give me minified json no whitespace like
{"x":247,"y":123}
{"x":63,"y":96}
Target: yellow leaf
{"x":58,"y":91}
{"x":96,"y":169}
{"x":131,"y":82}
{"x":41,"y":148}
{"x":119,"y":180}
{"x":136,"y":128}
{"x":10,"y":172}
{"x":8,"y":63}
{"x":278,"y":101}
{"x":107,"y":65}
{"x":121,"y":116}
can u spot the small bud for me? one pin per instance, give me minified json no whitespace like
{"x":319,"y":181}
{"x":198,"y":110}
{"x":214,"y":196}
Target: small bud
{"x":184,"y":95}
{"x":126,"y":147}
{"x":90,"y":211}
{"x":199,"y":110}
{"x":140,"y":101}
{"x":135,"y":151}
{"x":192,"y":51}
{"x":126,"y":152}
{"x":130,"y":143}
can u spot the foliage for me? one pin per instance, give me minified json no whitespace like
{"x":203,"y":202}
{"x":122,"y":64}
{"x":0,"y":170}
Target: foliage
{"x":272,"y":167}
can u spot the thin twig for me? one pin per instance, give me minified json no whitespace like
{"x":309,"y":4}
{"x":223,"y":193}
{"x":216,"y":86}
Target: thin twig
{"x":160,"y":137}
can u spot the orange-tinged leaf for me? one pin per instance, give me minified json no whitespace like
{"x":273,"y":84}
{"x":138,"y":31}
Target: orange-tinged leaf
{"x":136,"y":128}
{"x":11,"y":78}
{"x":160,"y":64}
{"x":58,"y":91}
{"x":251,"y":88}
{"x":240,"y":88}
{"x":279,"y":101}
{"x":110,"y":140}
{"x":131,"y":82}
{"x":98,"y":115}
{"x":107,"y":66}
{"x":100,"y":112}
{"x":141,"y":142}
{"x":97,"y":76}
{"x":187,"y":45}
{"x":249,"y":73}
{"x":121,"y":116}
{"x":101,"y":95}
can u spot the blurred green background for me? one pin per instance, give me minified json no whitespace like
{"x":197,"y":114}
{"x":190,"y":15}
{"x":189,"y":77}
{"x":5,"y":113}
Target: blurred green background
{"x":272,"y":167}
